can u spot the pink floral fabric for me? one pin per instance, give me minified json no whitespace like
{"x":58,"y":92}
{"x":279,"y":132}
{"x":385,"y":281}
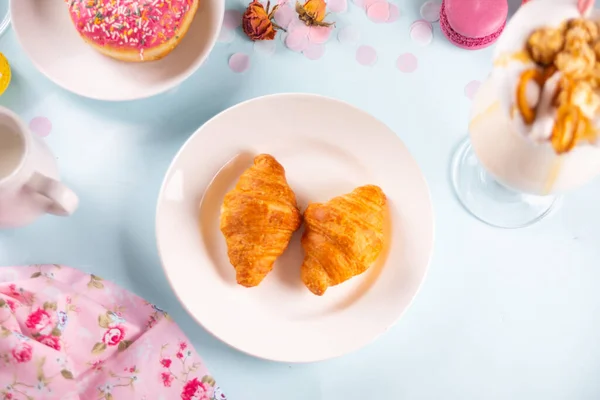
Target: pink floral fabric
{"x":68,"y":335}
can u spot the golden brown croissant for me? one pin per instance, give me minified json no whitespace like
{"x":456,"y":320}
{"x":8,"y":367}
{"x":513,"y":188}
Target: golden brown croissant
{"x":258,"y":218}
{"x":343,"y":237}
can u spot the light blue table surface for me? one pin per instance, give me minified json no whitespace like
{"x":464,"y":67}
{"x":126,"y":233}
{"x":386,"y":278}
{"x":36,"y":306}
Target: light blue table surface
{"x":502,"y":314}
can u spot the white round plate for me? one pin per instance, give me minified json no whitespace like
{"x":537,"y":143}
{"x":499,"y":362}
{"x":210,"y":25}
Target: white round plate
{"x":327,"y":148}
{"x":46,"y":33}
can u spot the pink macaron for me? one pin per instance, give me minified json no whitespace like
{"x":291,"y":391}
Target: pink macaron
{"x":473,"y":24}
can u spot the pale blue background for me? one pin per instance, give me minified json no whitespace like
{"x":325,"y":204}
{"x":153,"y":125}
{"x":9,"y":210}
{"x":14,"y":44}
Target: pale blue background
{"x":501,"y":315}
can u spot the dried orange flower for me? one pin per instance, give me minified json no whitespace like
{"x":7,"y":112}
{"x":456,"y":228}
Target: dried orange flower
{"x":312,"y":13}
{"x":257,"y":22}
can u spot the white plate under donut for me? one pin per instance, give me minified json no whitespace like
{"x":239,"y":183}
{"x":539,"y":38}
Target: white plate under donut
{"x":46,"y":33}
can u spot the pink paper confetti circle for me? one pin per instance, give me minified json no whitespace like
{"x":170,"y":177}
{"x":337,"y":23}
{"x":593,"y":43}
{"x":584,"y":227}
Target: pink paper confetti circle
{"x":314,"y":51}
{"x":284,"y":16}
{"x":41,"y":126}
{"x":232,"y":19}
{"x":359,"y":3}
{"x":369,"y":3}
{"x":226,"y":35}
{"x":239,"y":62}
{"x":298,"y":27}
{"x":379,"y":12}
{"x":471,"y":89}
{"x":421,"y":32}
{"x":337,"y":6}
{"x":394,"y":13}
{"x":296,"y":40}
{"x":407,"y":63}
{"x":319,"y":34}
{"x":430,"y":11}
{"x":366,"y":55}
{"x":266,"y":47}
{"x":349,"y":35}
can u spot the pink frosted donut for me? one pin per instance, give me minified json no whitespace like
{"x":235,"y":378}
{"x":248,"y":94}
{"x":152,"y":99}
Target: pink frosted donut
{"x":133,"y":30}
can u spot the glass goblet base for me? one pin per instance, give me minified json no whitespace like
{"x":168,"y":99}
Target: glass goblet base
{"x":488,"y":200}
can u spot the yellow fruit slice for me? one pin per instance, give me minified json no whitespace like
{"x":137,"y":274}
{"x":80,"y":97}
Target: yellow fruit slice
{"x":4,"y":73}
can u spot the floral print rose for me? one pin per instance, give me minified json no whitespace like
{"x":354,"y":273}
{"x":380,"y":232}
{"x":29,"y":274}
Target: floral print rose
{"x":196,"y":390}
{"x":39,"y":322}
{"x":114,"y":334}
{"x":50,"y":341}
{"x":22,"y":352}
{"x":47,"y":325}
{"x":9,"y":304}
{"x":180,"y":368}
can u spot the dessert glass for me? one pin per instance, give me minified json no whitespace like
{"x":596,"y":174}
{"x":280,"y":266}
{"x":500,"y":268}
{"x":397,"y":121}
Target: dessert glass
{"x":500,"y":175}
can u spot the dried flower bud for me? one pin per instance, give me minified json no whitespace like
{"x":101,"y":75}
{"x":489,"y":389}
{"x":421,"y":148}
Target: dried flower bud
{"x":257,"y":22}
{"x":313,"y":12}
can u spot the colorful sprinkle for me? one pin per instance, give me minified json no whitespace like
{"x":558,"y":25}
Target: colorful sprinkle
{"x":366,"y":55}
{"x":239,"y":62}
{"x":471,"y":89}
{"x":41,"y":126}
{"x":407,"y":63}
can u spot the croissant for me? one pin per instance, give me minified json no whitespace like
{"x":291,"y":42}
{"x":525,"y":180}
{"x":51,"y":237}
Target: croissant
{"x":258,"y":218}
{"x":343,"y":237}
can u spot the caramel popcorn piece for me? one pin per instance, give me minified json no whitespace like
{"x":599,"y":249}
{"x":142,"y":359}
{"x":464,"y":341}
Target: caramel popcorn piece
{"x":597,"y":50}
{"x":575,"y":99}
{"x":585,"y":98}
{"x":595,"y":75}
{"x":578,"y":61}
{"x":544,"y":44}
{"x":587,"y":29}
